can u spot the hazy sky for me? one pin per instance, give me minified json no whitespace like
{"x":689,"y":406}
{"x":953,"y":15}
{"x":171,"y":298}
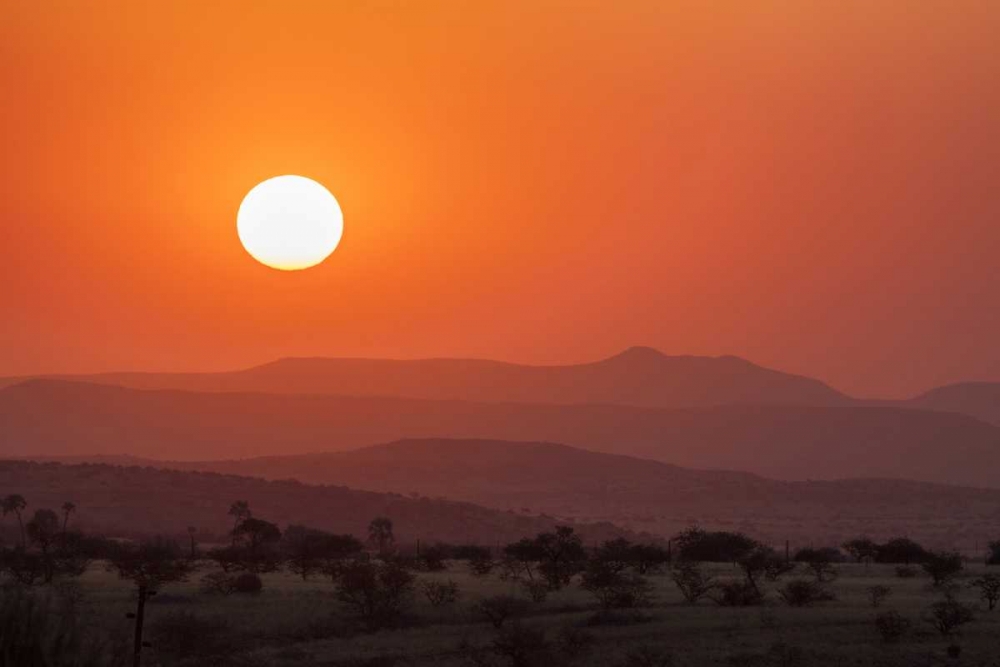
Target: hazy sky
{"x":811,"y":185}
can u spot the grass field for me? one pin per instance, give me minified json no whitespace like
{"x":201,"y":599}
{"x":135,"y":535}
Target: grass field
{"x":295,"y":622}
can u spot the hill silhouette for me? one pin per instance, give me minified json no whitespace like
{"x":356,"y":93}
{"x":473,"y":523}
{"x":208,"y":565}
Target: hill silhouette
{"x":978,"y":399}
{"x":130,"y":501}
{"x":639,"y":494}
{"x":47,"y":417}
{"x":638,"y":376}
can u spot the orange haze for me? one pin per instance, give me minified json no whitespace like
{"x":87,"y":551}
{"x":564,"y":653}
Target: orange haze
{"x":812,"y":185}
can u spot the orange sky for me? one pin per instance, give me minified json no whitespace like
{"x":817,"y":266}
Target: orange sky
{"x":811,"y":185}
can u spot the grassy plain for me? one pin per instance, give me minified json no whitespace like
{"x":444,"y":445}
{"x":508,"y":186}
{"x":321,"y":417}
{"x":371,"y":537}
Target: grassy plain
{"x":294,"y":622}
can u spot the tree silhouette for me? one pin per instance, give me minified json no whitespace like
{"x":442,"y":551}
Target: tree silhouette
{"x":380,"y":534}
{"x":67,"y":508}
{"x":42,"y":530}
{"x":149,"y":565}
{"x":15,"y":503}
{"x":191,"y":533}
{"x":240,"y":511}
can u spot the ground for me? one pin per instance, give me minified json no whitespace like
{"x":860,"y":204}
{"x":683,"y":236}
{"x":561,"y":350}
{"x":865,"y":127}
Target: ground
{"x":294,"y":623}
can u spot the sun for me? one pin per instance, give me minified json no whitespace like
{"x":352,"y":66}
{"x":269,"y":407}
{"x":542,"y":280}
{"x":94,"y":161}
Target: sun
{"x":289,"y":223}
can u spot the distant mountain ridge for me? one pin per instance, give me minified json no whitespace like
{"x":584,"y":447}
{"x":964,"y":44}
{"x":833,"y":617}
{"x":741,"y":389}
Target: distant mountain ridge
{"x":639,"y":376}
{"x":50,"y":417}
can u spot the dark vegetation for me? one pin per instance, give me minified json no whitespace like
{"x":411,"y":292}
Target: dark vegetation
{"x":377,"y":583}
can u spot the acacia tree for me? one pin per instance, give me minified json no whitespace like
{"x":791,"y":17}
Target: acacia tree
{"x":862,"y":549}
{"x":989,"y":589}
{"x":149,"y":565}
{"x":256,"y":539}
{"x":43,"y":530}
{"x":378,"y":592}
{"x":16,"y":503}
{"x":240,"y":511}
{"x":380,"y":534}
{"x":67,"y":508}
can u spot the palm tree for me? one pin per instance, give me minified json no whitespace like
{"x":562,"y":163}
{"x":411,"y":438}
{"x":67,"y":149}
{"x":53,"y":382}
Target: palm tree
{"x":380,"y":533}
{"x":240,"y":510}
{"x":15,"y":502}
{"x":67,"y":508}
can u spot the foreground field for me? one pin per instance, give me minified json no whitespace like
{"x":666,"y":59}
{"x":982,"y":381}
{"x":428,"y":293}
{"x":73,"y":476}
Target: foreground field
{"x":295,"y":622}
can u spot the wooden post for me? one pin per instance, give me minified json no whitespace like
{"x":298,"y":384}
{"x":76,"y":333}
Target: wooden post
{"x":139,"y":614}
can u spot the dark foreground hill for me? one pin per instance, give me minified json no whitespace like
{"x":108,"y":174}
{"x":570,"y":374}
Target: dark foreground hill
{"x":119,"y":500}
{"x":47,"y":417}
{"x":638,"y":376}
{"x":643,"y":495}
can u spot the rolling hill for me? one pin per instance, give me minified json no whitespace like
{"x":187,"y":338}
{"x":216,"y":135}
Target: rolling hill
{"x":48,"y":417}
{"x":130,"y":500}
{"x":639,"y":494}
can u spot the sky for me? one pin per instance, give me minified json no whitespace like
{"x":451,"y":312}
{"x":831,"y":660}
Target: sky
{"x":810,"y":185}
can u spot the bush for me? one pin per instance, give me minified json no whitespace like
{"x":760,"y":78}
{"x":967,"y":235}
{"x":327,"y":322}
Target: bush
{"x":994,"y":557}
{"x":218,"y":583}
{"x":877,"y":594}
{"x":736,"y":594}
{"x":573,"y":642}
{"x":247,"y":582}
{"x":804,"y":593}
{"x":440,"y":593}
{"x":695,"y":544}
{"x":901,"y":550}
{"x":906,"y":572}
{"x":891,"y":626}
{"x":942,"y":567}
{"x":538,"y":591}
{"x":949,"y":615}
{"x":989,"y":589}
{"x":693,"y":583}
{"x":614,"y":589}
{"x":377,"y":592}
{"x":500,"y":608}
{"x":433,"y":558}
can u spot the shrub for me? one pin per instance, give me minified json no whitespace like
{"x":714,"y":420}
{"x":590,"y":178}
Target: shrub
{"x":218,"y":583}
{"x":804,"y":593}
{"x":949,"y":615}
{"x":573,"y":642}
{"x":440,"y":593}
{"x":901,"y":550}
{"x":695,"y":544}
{"x":247,"y":582}
{"x":891,"y":626}
{"x":692,"y":581}
{"x":877,"y":594}
{"x":498,"y":609}
{"x":736,"y":594}
{"x":906,"y":572}
{"x":377,"y":592}
{"x":994,"y":557}
{"x":433,"y":558}
{"x":613,"y":589}
{"x":989,"y":589}
{"x":942,"y":567}
{"x":538,"y":591}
